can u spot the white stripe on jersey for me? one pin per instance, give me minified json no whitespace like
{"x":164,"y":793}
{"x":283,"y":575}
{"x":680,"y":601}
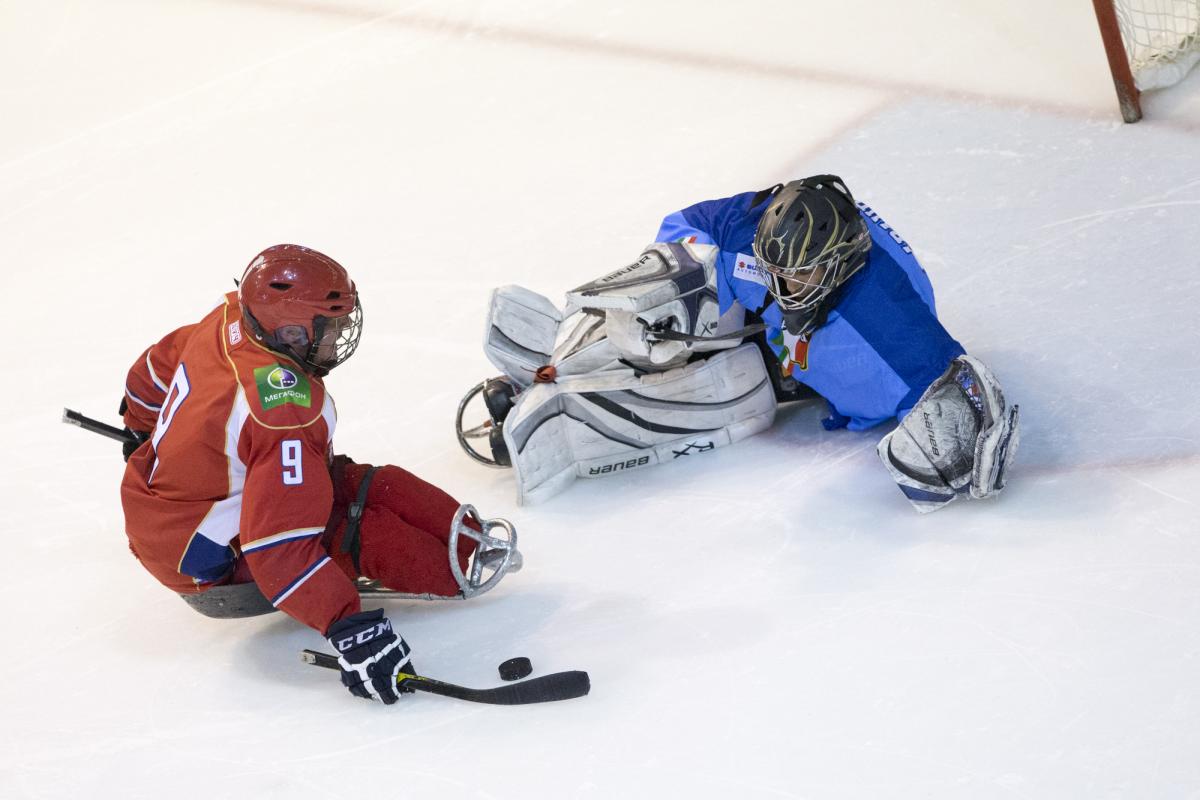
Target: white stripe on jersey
{"x":300,"y":582}
{"x":267,"y":541}
{"x":141,"y":402}
{"x":233,"y":434}
{"x":224,"y":519}
{"x":153,"y":376}
{"x":329,"y":412}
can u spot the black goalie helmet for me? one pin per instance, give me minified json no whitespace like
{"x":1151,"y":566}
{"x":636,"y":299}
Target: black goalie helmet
{"x":809,"y":241}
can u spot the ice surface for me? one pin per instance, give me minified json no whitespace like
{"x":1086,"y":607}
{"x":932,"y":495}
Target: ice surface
{"x":770,"y":620}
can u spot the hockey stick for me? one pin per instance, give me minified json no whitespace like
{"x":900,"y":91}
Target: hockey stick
{"x":88,"y":424}
{"x":543,"y":689}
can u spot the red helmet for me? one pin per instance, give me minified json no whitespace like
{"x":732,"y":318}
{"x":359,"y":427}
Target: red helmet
{"x":303,"y":304}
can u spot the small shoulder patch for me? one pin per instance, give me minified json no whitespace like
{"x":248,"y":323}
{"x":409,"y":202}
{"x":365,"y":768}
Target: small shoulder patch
{"x":235,"y":332}
{"x":278,"y":385}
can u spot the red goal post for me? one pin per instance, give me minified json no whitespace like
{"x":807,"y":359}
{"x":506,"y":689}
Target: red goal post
{"x":1151,"y":44}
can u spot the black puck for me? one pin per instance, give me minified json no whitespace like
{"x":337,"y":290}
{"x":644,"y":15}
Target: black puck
{"x":516,"y":668}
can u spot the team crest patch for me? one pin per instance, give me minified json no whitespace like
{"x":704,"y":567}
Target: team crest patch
{"x":746,"y":268}
{"x":792,"y":351}
{"x":278,"y":385}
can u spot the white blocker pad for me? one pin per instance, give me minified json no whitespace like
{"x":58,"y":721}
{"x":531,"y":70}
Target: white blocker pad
{"x":664,"y":272}
{"x":595,"y":425}
{"x":671,"y":287}
{"x":520,"y":331}
{"x":958,"y":439}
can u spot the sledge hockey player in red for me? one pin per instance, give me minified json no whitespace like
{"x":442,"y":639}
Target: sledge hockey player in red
{"x":235,"y":480}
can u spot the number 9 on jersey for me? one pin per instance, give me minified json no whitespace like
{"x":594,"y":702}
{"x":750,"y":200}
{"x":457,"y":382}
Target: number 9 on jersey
{"x":293,"y":464}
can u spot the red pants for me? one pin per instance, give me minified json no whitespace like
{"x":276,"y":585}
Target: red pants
{"x":404,"y":532}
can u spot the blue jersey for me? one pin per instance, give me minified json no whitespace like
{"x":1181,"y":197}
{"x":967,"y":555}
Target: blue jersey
{"x":881,"y":344}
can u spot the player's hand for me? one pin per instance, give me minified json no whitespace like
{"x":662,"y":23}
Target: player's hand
{"x":128,"y":448}
{"x":371,"y":655}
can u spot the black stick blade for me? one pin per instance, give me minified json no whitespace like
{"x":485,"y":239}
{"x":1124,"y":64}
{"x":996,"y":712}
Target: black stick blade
{"x":542,"y":689}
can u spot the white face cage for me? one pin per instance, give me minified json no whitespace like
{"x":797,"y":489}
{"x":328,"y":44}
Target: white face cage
{"x":339,"y":337}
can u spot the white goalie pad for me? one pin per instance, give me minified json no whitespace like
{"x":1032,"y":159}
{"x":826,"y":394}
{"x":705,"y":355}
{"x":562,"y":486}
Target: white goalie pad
{"x":520,"y":332}
{"x":600,"y":424}
{"x":959,"y":439}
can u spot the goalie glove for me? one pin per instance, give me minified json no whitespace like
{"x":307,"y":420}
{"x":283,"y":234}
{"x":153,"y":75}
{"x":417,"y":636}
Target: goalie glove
{"x":959,"y":439}
{"x":371,"y":655}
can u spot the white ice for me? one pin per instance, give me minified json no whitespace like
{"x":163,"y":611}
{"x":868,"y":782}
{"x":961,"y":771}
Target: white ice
{"x":769,"y":620}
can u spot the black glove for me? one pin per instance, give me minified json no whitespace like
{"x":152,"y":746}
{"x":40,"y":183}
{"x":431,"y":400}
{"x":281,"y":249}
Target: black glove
{"x":128,"y":448}
{"x":371,"y":655}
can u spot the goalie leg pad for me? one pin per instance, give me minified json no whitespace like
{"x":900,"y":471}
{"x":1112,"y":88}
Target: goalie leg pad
{"x":520,"y":331}
{"x":596,"y":425}
{"x":959,"y":438}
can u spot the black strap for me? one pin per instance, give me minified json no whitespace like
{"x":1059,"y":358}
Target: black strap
{"x":351,"y":542}
{"x":764,"y":194}
{"x":674,"y":336}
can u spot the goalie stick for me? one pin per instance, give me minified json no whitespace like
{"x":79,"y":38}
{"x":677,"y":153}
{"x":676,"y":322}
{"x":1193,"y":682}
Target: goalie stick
{"x":542,"y":689}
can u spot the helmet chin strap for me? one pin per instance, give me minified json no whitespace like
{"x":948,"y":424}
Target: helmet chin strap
{"x":301,"y":358}
{"x":801,"y":321}
{"x":273,"y":343}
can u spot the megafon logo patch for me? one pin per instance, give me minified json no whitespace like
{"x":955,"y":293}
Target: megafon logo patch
{"x":280,"y":378}
{"x":746,"y":267}
{"x":278,"y":385}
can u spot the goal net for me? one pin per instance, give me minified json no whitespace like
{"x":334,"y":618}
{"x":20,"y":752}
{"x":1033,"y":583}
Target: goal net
{"x":1162,"y":39}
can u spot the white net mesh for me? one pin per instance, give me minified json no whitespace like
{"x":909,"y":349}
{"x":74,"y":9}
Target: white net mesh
{"x":1162,"y":38}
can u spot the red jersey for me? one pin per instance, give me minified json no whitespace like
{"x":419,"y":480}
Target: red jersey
{"x":236,"y":467}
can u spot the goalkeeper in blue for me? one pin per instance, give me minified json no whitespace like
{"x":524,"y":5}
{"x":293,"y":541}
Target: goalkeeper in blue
{"x":742,"y":303}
